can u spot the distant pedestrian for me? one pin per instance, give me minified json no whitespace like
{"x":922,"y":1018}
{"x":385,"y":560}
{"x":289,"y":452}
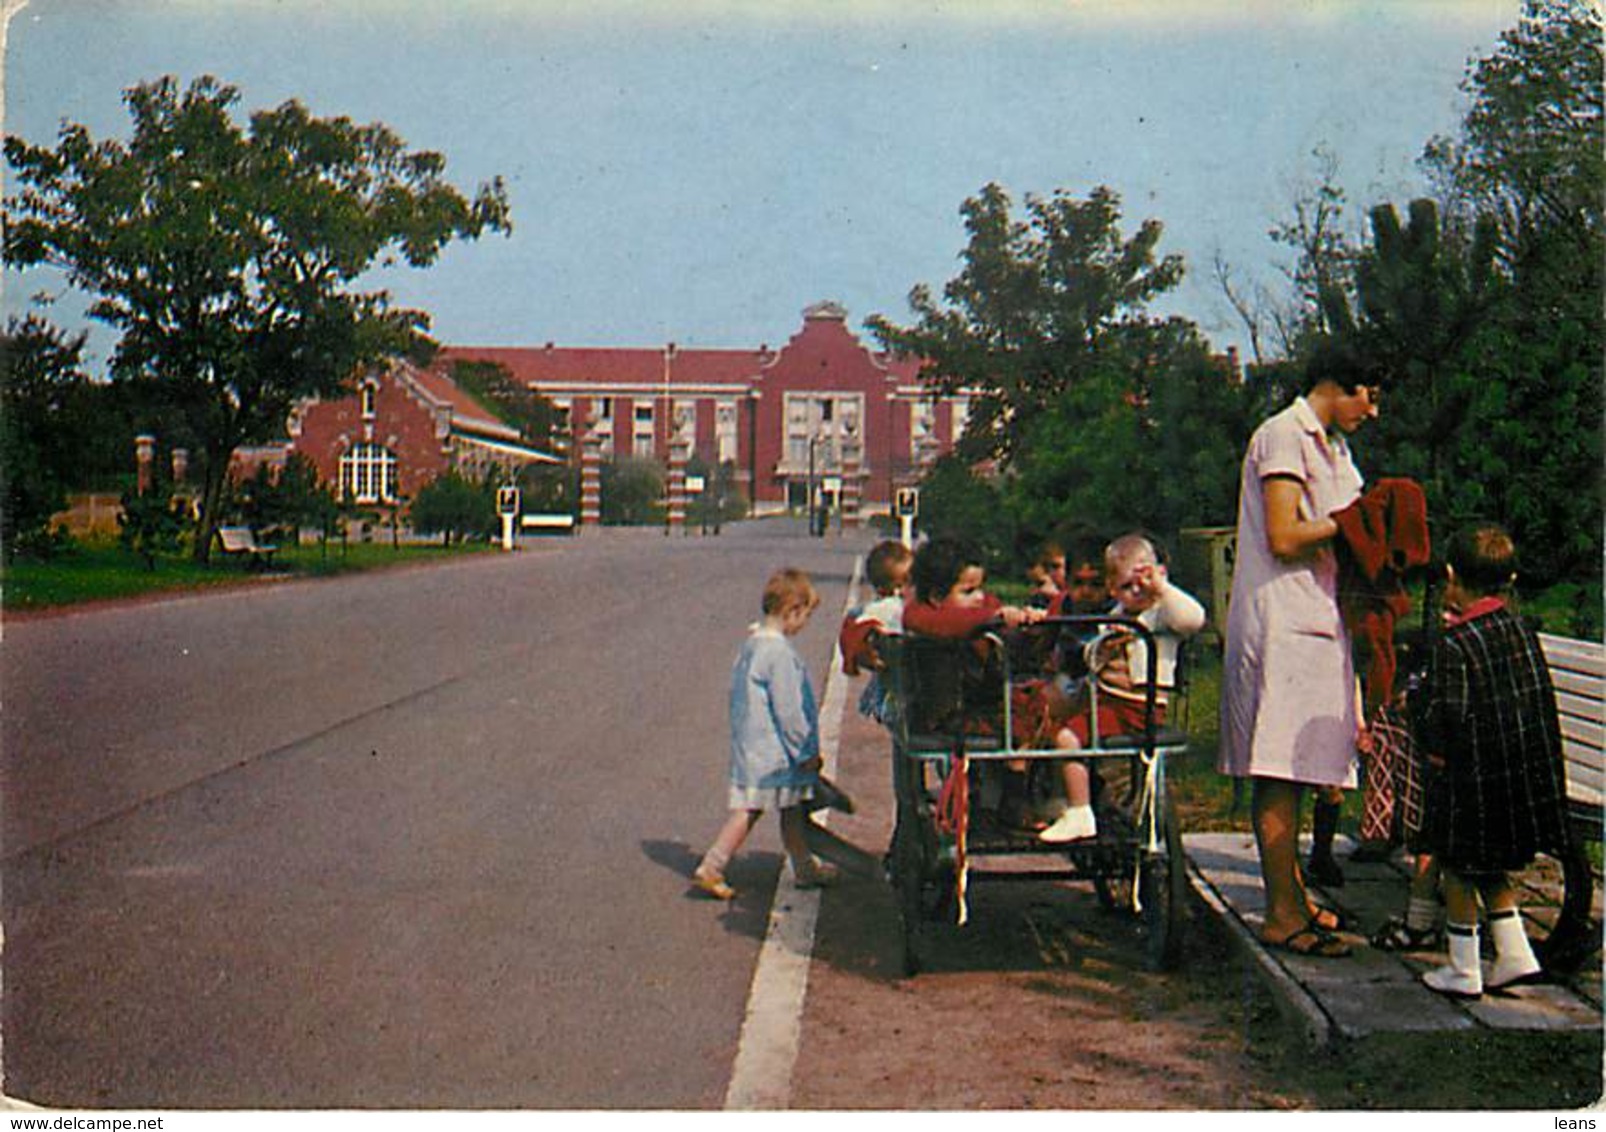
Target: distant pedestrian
{"x":775,"y":739}
{"x":1500,"y":796}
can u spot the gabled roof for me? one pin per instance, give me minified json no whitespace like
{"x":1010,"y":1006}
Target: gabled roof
{"x":467,"y":413}
{"x":470,"y":420}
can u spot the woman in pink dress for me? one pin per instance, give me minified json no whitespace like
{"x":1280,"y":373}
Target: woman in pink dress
{"x":1288,"y":695}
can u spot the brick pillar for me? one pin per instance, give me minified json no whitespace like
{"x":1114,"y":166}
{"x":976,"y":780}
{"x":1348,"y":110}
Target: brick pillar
{"x":145,"y":462}
{"x":590,"y":480}
{"x":181,"y":466}
{"x":852,"y":483}
{"x":679,"y":453}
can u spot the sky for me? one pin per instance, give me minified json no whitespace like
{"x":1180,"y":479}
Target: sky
{"x":699,"y":171}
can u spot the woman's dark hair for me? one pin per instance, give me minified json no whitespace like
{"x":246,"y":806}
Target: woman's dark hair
{"x":1483,"y":557}
{"x":1331,"y":361}
{"x":937,"y":567}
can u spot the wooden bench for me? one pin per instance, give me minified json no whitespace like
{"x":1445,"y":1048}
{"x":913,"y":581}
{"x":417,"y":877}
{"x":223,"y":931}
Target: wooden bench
{"x":240,"y":542}
{"x":1578,"y":671}
{"x":548,"y":523}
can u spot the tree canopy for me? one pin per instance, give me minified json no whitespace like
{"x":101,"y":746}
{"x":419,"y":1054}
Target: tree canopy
{"x":229,"y":257}
{"x":1031,"y":309}
{"x":1096,"y":411}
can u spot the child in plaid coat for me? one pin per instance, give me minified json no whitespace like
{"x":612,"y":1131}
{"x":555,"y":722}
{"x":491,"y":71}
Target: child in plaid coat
{"x":1500,"y":794}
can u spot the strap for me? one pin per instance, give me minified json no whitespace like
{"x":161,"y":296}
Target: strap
{"x":953,"y":816}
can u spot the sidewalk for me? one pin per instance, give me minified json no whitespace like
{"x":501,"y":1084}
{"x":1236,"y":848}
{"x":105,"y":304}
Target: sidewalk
{"x":1376,"y":992}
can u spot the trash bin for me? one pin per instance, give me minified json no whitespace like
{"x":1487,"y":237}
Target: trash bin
{"x":1204,"y":567}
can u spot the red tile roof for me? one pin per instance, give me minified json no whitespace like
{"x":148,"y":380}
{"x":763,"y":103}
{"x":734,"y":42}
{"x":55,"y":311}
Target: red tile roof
{"x":552,"y":366}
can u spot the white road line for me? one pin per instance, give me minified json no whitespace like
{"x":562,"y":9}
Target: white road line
{"x":767,"y":1051}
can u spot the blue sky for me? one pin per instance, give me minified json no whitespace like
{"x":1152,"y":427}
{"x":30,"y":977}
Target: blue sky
{"x":701,"y":170}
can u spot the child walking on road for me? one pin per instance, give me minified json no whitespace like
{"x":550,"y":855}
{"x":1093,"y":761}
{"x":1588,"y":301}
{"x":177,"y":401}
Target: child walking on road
{"x":1500,"y":796}
{"x":775,"y":739}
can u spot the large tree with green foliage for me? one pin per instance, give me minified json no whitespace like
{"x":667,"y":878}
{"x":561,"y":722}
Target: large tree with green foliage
{"x":1033,"y":309}
{"x":228,"y":257}
{"x":1529,"y":165}
{"x":1152,"y":441}
{"x":1094,"y":410}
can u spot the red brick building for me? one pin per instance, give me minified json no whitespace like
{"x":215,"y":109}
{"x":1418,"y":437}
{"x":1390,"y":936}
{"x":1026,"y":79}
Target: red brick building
{"x":817,"y":409}
{"x":403,"y":427}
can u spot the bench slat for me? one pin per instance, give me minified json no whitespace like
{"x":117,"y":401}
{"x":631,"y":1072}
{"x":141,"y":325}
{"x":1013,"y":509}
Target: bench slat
{"x":1574,"y":654}
{"x":1584,"y":688}
{"x":1586,"y":735}
{"x":1580,"y":706}
{"x":1585,"y":784}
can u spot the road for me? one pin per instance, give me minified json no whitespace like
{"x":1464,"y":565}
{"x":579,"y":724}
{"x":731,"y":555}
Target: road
{"x":415,"y":839}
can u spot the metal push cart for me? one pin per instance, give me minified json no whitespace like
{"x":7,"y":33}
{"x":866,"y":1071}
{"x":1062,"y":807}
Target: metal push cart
{"x":953,"y":706}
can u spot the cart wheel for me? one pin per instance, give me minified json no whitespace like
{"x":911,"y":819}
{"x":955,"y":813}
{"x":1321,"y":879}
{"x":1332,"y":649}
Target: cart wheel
{"x":908,"y":878}
{"x":914,"y":857}
{"x":1163,"y":884}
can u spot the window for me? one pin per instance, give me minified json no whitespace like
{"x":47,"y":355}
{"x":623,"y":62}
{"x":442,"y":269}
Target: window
{"x":605,"y":409}
{"x":368,"y":474}
{"x":725,"y":430}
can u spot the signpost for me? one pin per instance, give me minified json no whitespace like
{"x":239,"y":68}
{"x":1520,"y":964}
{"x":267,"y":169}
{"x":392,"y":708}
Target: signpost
{"x":507,"y":509}
{"x":906,"y":506}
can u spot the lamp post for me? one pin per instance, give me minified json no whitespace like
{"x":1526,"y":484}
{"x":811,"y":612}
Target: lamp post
{"x":808,"y":499}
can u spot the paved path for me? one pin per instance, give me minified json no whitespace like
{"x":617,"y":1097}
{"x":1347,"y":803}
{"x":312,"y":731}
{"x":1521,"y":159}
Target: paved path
{"x":1376,"y":992}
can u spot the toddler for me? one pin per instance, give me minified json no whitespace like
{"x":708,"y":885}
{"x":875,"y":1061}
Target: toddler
{"x":887,"y":568}
{"x":775,"y":739}
{"x":1119,"y":661}
{"x":1500,"y":795}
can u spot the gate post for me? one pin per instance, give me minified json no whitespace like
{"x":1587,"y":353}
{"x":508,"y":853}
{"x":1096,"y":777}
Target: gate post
{"x":852,"y":483}
{"x":591,"y":480}
{"x":675,"y":517}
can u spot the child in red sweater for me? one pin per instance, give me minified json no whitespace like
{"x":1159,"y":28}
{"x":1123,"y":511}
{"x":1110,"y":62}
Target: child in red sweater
{"x":950,"y":600}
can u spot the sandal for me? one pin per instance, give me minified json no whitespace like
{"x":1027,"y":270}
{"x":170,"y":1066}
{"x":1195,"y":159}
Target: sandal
{"x":1396,"y":935}
{"x":1328,"y":919}
{"x":712,"y":884}
{"x":1312,"y":942}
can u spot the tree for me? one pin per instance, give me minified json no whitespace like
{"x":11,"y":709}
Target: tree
{"x":226,"y":257}
{"x":1032,"y":308}
{"x":1531,"y":153}
{"x":1530,"y":163}
{"x":40,"y":380}
{"x":1160,"y":453}
{"x":1320,"y":275}
{"x":1425,"y":296}
{"x":285,"y":499}
{"x":455,"y":508}
{"x":632,"y":492}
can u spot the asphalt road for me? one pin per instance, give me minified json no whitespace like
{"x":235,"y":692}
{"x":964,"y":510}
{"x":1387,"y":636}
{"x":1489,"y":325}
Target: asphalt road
{"x":415,"y":839}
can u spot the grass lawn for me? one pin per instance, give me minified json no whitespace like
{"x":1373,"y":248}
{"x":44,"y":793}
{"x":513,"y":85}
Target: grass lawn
{"x":103,"y":571}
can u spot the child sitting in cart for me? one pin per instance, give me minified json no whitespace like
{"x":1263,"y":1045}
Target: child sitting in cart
{"x":949,"y":601}
{"x":1118,"y":660}
{"x":887,"y":568}
{"x":775,"y":739}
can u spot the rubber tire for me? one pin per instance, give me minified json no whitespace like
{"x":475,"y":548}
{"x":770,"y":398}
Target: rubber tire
{"x":1163,"y":881}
